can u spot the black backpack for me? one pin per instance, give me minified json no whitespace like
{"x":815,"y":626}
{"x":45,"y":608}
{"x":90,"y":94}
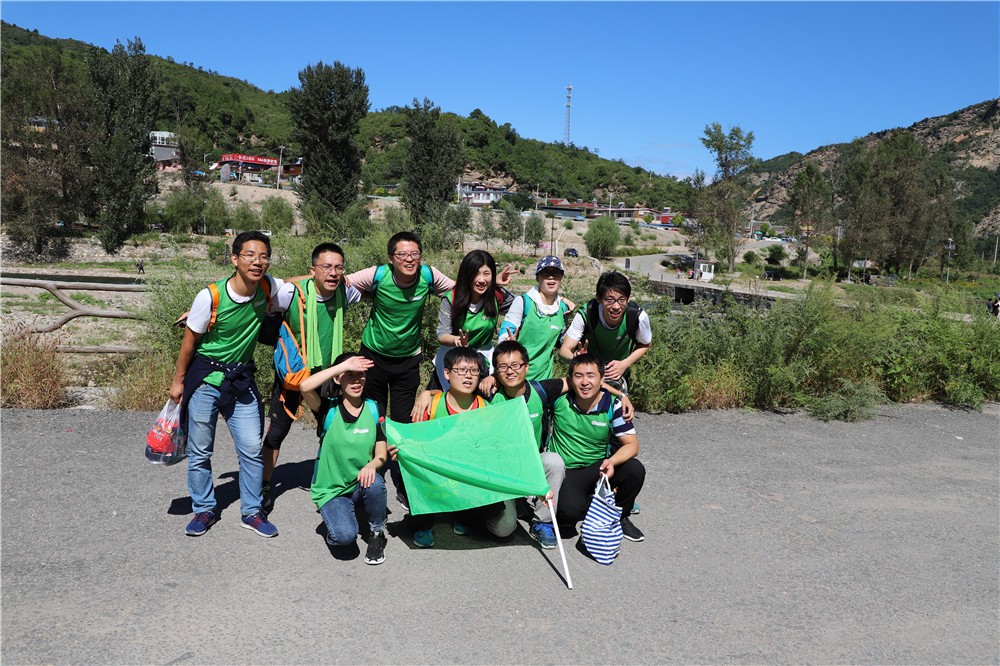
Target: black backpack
{"x":591,"y":319}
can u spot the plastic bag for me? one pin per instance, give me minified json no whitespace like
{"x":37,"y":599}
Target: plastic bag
{"x":166,"y":442}
{"x":601,"y":529}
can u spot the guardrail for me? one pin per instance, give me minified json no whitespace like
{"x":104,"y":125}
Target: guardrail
{"x":57,"y":287}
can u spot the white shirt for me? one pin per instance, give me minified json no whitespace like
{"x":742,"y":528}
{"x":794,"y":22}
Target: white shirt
{"x":201,"y":308}
{"x":643,"y":336}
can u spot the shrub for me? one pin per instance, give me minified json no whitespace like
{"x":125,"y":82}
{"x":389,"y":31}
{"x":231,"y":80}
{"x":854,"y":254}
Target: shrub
{"x":853,"y":402}
{"x":143,"y":384}
{"x":750,"y":257}
{"x":31,"y":375}
{"x":568,"y":224}
{"x":276,"y":214}
{"x":601,"y":237}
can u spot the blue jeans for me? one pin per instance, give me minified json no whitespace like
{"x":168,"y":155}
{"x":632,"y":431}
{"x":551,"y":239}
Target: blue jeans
{"x":244,"y":420}
{"x":341,"y":521}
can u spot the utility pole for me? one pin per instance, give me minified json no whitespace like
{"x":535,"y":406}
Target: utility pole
{"x":281,"y":152}
{"x":949,"y":245}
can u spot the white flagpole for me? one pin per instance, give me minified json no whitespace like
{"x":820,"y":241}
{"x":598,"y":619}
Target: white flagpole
{"x":562,"y":551}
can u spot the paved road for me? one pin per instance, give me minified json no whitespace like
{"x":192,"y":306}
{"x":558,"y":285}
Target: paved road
{"x":770,"y":539}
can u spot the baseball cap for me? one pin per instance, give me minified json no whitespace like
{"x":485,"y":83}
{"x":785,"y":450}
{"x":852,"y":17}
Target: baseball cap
{"x":549,"y":262}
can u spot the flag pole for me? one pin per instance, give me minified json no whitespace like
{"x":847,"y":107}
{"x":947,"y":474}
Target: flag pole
{"x":562,"y":551}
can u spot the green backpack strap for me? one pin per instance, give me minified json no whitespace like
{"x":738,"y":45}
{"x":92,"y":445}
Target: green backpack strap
{"x":373,"y":408}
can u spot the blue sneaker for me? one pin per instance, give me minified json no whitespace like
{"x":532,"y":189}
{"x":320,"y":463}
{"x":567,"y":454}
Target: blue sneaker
{"x":200,"y":523}
{"x":635,"y":508}
{"x":460,"y":528}
{"x":423,"y":538}
{"x":258,"y":523}
{"x":543,"y":534}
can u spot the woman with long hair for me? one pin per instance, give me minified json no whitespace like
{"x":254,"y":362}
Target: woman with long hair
{"x":470,"y":313}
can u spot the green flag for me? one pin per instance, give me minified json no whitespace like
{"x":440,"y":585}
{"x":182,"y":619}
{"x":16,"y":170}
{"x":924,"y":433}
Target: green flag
{"x":471,"y":459}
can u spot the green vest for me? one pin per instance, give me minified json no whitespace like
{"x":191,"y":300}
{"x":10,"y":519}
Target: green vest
{"x":344,"y":449}
{"x":579,"y":439}
{"x":539,"y":334}
{"x":393,"y":328}
{"x":610,"y":344}
{"x":233,"y":337}
{"x":328,"y":312}
{"x":536,"y":410}
{"x":480,"y":327}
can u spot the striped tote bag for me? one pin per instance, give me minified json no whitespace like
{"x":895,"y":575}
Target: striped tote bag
{"x":601,"y":529}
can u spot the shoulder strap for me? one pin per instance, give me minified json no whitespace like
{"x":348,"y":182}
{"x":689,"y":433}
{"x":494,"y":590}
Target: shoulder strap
{"x":632,"y":312}
{"x":331,"y":414}
{"x":536,"y":386}
{"x":379,"y":276}
{"x":427,"y":274}
{"x":480,"y":402}
{"x":373,"y":408}
{"x":213,"y":289}
{"x":435,"y":402}
{"x":611,"y":413}
{"x":590,"y":317}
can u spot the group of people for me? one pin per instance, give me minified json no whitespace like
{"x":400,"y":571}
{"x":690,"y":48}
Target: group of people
{"x":493,"y":346}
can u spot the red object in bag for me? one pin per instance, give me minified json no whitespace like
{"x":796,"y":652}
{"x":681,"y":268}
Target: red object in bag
{"x":165,"y":442}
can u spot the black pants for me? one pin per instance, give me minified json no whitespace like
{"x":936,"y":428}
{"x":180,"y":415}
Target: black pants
{"x":279,"y":422}
{"x":401,"y":377}
{"x":578,"y":488}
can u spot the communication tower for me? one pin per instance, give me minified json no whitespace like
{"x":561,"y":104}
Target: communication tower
{"x":569,"y":106}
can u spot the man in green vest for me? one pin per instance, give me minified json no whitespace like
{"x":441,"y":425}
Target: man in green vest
{"x":611,"y":327}
{"x":215,"y":375}
{"x":581,"y":421}
{"x":314,"y":310}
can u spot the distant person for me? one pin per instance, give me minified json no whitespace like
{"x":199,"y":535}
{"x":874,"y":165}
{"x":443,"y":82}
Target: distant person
{"x":139,"y":266}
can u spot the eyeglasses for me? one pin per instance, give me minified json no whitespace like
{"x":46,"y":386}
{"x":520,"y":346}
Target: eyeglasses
{"x":464,"y":372}
{"x":329,"y":268}
{"x":250,"y":258}
{"x":516,"y":367}
{"x":403,"y":256}
{"x":611,"y":301}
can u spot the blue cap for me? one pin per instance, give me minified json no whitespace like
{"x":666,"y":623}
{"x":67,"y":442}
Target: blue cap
{"x":549,"y":262}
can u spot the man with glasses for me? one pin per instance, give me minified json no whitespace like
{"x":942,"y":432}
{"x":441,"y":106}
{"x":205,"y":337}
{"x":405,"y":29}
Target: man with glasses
{"x":612,"y":328}
{"x":314,"y":311}
{"x":215,"y":374}
{"x":391,"y":338}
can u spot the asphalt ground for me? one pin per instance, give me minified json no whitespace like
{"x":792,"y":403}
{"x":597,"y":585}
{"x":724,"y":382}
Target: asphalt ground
{"x":769,"y":539}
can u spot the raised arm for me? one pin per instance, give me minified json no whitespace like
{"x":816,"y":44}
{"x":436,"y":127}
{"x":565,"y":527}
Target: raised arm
{"x":311,"y":385}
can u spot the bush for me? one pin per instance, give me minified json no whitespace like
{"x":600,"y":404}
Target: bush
{"x":750,"y":257}
{"x":31,"y":374}
{"x":853,"y":402}
{"x":143,"y":384}
{"x":568,"y":224}
{"x":601,"y":237}
{"x":276,"y":214}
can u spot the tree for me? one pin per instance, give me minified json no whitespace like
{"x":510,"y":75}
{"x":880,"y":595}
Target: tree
{"x":125,"y":100}
{"x":327,"y":109}
{"x":534,"y":232}
{"x":732,"y":154}
{"x":487,"y":225}
{"x":47,"y":185}
{"x":434,"y":161}
{"x":511,"y":227}
{"x":601,"y":238}
{"x":810,"y":198}
{"x":276,"y":214}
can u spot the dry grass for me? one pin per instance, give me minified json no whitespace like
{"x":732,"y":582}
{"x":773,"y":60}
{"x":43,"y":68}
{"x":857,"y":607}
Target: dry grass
{"x":722,"y":388}
{"x":31,"y":375}
{"x":143,"y":384}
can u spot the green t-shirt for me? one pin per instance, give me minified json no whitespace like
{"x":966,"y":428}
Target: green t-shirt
{"x":536,"y":407}
{"x":233,"y":337}
{"x":393,"y":328}
{"x":539,"y":334}
{"x":479,"y":326}
{"x":581,"y":439}
{"x":609,"y":344}
{"x":344,"y":449}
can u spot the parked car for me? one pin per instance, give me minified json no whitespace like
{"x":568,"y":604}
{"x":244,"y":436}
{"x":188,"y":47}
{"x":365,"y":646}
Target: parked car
{"x":571,"y":252}
{"x":771,"y":275}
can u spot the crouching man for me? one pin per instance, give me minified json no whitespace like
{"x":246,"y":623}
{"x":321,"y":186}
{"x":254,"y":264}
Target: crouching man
{"x":581,"y":421}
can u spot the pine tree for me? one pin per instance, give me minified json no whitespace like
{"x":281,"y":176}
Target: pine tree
{"x":434,"y":161}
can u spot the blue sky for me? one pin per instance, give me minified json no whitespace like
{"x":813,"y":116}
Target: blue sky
{"x":647,"y":76}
